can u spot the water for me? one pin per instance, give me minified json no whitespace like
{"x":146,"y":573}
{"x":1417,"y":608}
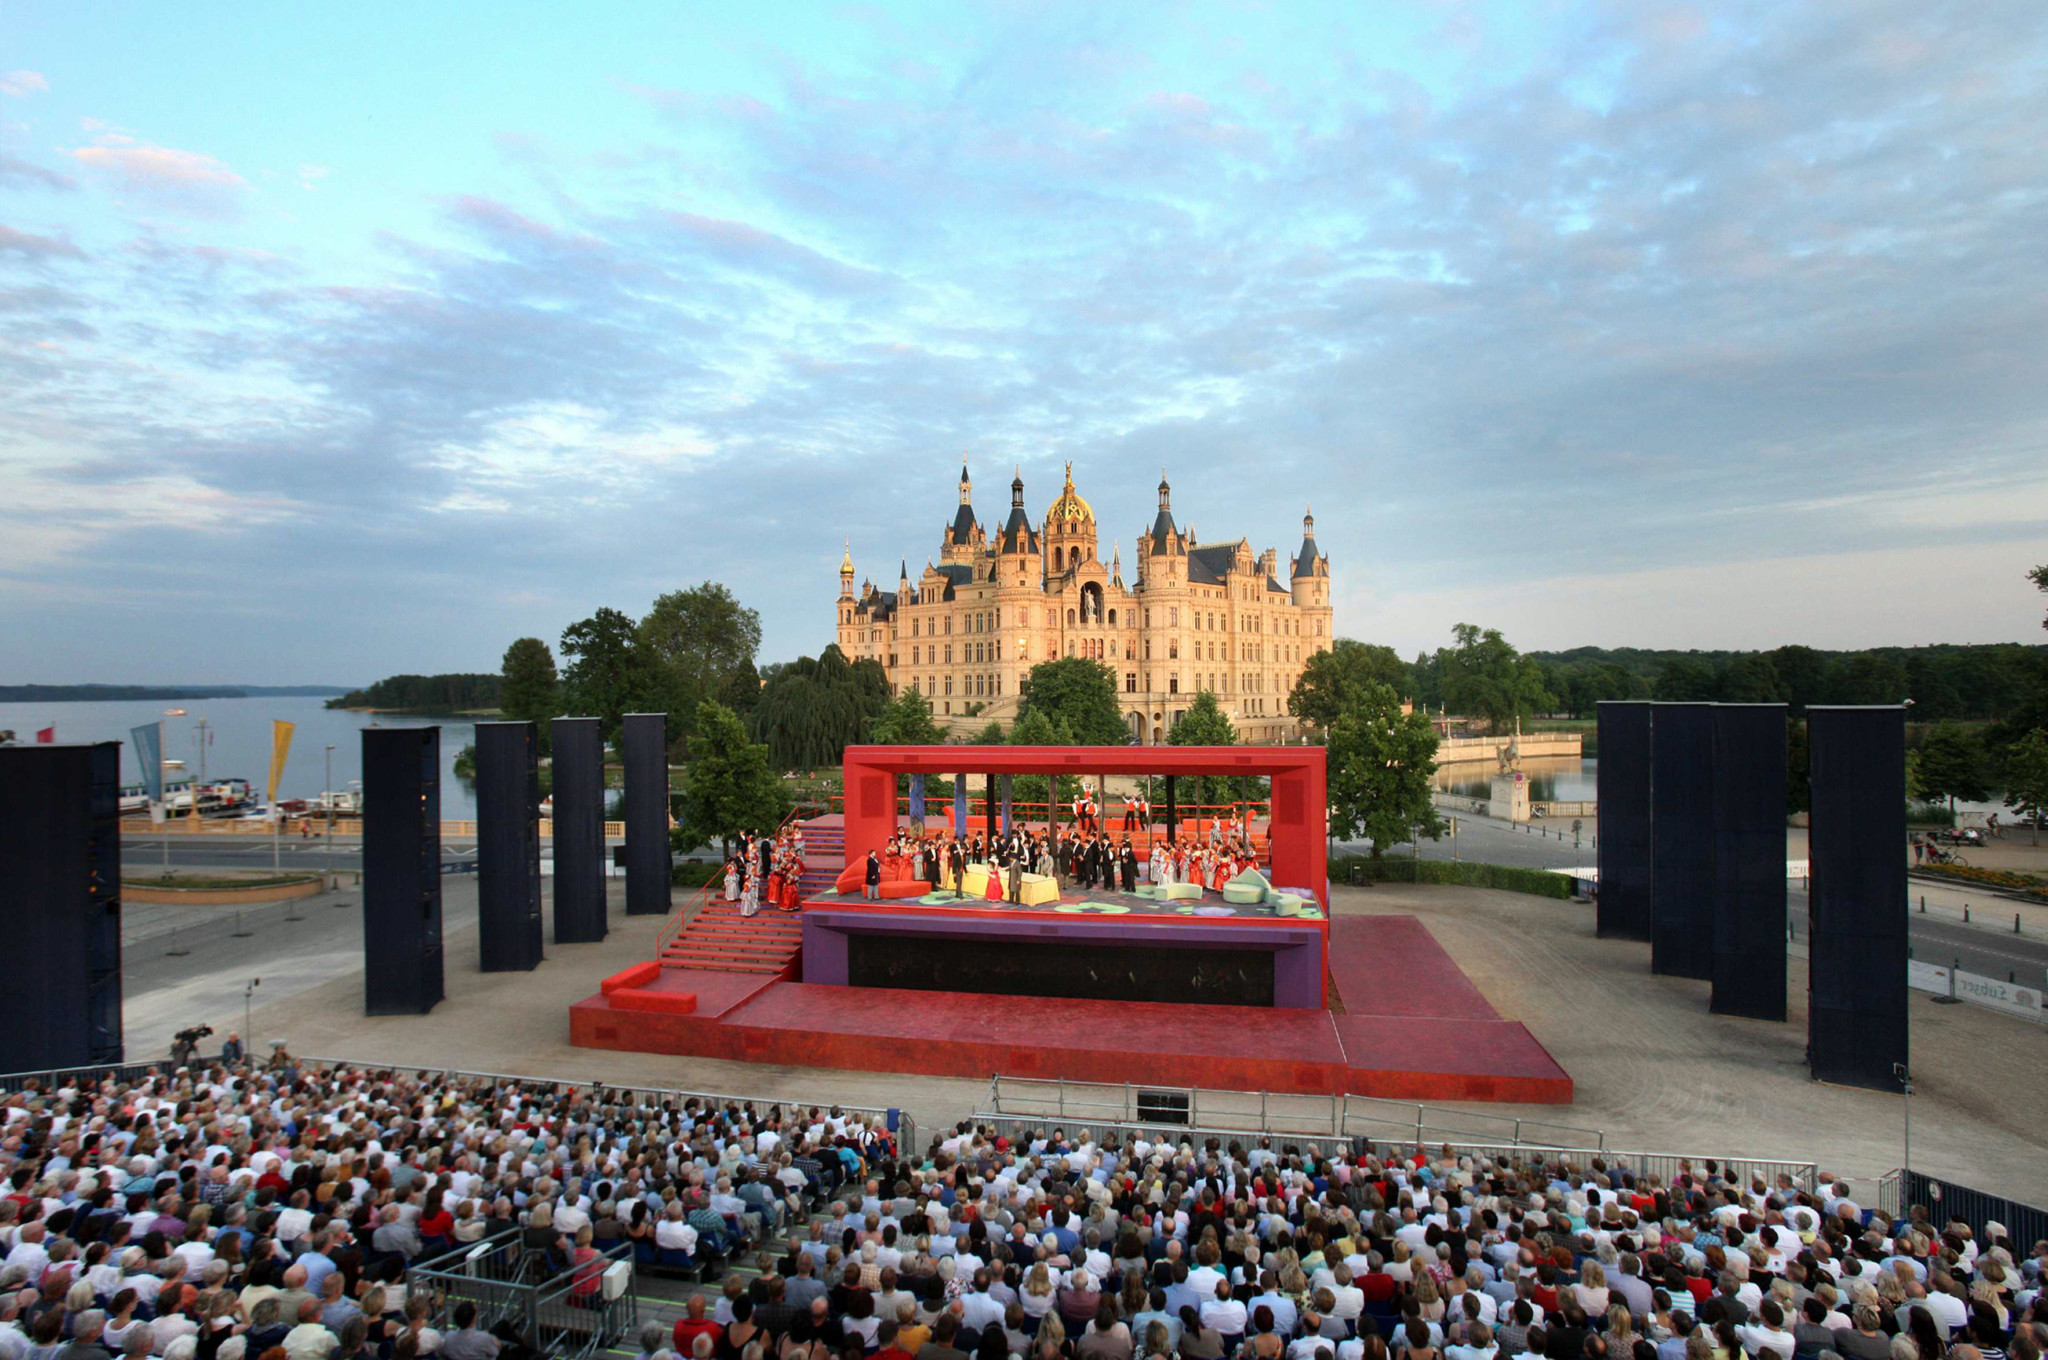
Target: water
{"x":240,"y":747}
{"x":1550,"y":780}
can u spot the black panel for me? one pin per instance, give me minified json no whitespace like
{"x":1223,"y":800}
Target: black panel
{"x":1623,"y":775}
{"x":1104,"y":972}
{"x":508,"y":847}
{"x":1172,"y":811}
{"x":578,"y":791}
{"x":1682,"y":840}
{"x":1857,"y":1013}
{"x":401,"y":870}
{"x":60,"y":900}
{"x":1749,"y":860}
{"x":645,"y":756}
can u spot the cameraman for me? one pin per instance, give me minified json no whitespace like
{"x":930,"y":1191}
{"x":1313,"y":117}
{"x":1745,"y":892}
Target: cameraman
{"x":232,"y":1051}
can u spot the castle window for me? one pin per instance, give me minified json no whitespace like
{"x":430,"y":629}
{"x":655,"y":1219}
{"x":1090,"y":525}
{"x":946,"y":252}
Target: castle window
{"x":1130,"y":649}
{"x":1130,"y":682}
{"x":1148,"y":618}
{"x":1173,"y":649}
{"x":1173,"y":617}
{"x":999,"y":649}
{"x":999,"y":620}
{"x":949,"y":625}
{"x":1173,"y":683}
{"x":1070,"y":618}
{"x":1112,"y":618}
{"x":949,"y":689}
{"x":1070,"y":646}
{"x":949,"y":655}
{"x":1148,"y":649}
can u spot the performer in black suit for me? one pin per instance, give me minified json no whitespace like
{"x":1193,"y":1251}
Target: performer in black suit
{"x":1129,"y":863}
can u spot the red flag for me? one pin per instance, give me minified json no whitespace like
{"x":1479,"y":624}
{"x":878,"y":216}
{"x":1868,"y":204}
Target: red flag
{"x":47,"y":734}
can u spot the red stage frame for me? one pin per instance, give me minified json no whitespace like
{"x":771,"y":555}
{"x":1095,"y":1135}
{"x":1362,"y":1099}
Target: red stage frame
{"x":1296,"y":832}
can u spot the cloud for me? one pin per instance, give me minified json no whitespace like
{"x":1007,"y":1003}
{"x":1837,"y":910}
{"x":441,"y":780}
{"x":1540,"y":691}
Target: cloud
{"x":21,"y":173}
{"x":25,"y":246}
{"x":22,"y":84}
{"x":164,"y":175}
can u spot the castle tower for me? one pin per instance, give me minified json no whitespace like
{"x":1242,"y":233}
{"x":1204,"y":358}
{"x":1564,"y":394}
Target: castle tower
{"x":1070,"y":529}
{"x":844,"y":635}
{"x":1019,"y":545}
{"x":1311,"y":571}
{"x":1163,"y":540}
{"x":964,"y":538}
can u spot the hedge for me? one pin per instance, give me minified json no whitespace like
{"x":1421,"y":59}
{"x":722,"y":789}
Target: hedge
{"x":1459,"y":873}
{"x":697,"y":875}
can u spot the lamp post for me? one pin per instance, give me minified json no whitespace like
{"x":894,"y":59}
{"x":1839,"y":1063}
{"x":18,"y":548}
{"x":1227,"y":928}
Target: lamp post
{"x":327,"y":802}
{"x":248,"y":1035}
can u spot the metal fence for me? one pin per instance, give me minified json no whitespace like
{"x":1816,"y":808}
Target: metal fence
{"x":1333,"y":1116}
{"x":1944,"y":1200}
{"x":1022,"y":1106}
{"x":512,"y":1286}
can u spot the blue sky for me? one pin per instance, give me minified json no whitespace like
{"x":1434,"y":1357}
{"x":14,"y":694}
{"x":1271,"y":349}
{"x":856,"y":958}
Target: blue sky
{"x":338,"y":342}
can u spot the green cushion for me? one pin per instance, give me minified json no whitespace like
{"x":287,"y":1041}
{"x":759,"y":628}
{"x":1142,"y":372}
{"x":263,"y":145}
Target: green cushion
{"x":1288,"y":904}
{"x":1176,"y":892}
{"x":1150,"y":890}
{"x":1253,"y":876}
{"x":1243,"y":894}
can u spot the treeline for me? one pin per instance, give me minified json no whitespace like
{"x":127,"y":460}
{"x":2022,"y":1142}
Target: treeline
{"x":424,"y":694}
{"x":1985,"y":683}
{"x":75,"y":694}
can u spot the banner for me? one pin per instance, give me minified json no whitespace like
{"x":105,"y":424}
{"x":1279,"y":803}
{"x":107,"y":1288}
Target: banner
{"x":280,"y":746}
{"x":2013,"y":998}
{"x":47,"y":735}
{"x":149,"y":753}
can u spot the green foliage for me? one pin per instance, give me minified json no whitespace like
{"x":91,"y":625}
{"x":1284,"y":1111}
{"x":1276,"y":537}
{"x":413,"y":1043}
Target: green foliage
{"x":1080,"y":695}
{"x":1202,"y":723}
{"x":700,"y":644}
{"x":2025,"y":768}
{"x":1953,"y":764}
{"x":906,"y":721}
{"x":694,"y":876}
{"x":810,"y":710}
{"x":1330,"y":680}
{"x":991,"y":735}
{"x":1459,"y":873}
{"x":728,"y":787}
{"x":1483,"y":676}
{"x":1381,"y":763}
{"x":1798,"y":787}
{"x":459,"y":693}
{"x":608,"y":676}
{"x":1033,"y":728}
{"x":530,"y":690}
{"x":2039,"y":576}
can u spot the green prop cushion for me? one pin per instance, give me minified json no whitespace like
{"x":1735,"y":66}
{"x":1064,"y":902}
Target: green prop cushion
{"x":1253,"y":878}
{"x":1288,"y":904}
{"x":1244,"y":894}
{"x":1177,"y":892}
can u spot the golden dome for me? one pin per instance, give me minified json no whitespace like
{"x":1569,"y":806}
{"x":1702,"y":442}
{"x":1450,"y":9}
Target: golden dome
{"x":846,"y":562}
{"x":1070,"y":508}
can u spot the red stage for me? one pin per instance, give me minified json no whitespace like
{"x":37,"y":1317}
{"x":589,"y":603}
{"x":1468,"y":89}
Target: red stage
{"x":1409,"y":1025}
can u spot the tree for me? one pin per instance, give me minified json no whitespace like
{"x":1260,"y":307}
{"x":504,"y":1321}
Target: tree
{"x":990,"y":735}
{"x":1688,"y":679}
{"x":1871,"y":678}
{"x":1751,"y":679}
{"x":530,"y":691}
{"x":728,"y":786}
{"x":1381,"y":768}
{"x":907,"y":721}
{"x":701,"y":643}
{"x":1033,"y":728}
{"x":1331,"y":680}
{"x":1953,"y":765}
{"x":1484,"y":676}
{"x":1805,"y":673}
{"x":2039,"y":576}
{"x":811,"y":710}
{"x":607,"y":676}
{"x":1204,"y":723}
{"x":2026,"y":777}
{"x":1080,"y":695}
{"x":1798,"y":782}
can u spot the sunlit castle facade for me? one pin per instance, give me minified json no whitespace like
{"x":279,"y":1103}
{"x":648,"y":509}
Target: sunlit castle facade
{"x":1195,"y":616}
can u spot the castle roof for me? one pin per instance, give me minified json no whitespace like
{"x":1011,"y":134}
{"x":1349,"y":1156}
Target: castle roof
{"x":1305,"y":560}
{"x":1070,"y":508}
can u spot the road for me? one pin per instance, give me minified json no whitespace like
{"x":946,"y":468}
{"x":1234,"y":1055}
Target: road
{"x":1987,"y":944}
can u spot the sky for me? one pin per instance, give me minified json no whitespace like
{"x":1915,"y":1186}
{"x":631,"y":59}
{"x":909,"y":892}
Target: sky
{"x":340,"y":341}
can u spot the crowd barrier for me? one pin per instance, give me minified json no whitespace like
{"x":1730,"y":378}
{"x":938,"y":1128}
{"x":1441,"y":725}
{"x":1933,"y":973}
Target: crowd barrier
{"x":507,"y":1286}
{"x":1996,"y":994}
{"x":2025,"y":1224}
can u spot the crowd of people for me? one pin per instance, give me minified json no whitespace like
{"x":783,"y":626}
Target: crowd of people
{"x":277,"y":1215}
{"x":236,"y":1213}
{"x":1209,"y":856}
{"x":767,"y":871}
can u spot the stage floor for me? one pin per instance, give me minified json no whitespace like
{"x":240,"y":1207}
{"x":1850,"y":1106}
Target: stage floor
{"x":1075,"y":901}
{"x":1412,"y":1027}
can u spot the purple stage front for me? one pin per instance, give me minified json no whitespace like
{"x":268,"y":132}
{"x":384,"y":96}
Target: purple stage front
{"x":1230,"y":960}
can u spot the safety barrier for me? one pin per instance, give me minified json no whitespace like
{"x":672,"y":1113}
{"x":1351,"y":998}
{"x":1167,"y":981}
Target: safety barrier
{"x":509,"y":1285}
{"x":1900,"y":1191}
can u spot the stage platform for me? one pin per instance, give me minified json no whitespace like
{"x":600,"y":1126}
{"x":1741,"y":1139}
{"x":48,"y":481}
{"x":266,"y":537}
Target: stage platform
{"x":1411,"y":1026}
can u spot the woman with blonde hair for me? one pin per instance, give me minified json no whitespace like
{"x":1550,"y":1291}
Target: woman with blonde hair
{"x":1591,"y":1290}
{"x":1430,"y":1299}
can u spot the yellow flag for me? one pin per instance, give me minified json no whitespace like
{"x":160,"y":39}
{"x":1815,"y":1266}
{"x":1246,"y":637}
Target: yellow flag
{"x":280,"y":746}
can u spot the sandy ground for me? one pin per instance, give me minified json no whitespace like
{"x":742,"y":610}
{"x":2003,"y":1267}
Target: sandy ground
{"x":1652,"y":1068}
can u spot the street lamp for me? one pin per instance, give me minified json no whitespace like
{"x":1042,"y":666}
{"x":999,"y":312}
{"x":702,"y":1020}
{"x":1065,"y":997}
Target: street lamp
{"x":327,"y":802}
{"x":248,"y":1035}
{"x":1905,"y":1076}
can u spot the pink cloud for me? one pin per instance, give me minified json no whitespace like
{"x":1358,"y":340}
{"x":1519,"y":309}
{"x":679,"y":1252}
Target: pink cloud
{"x":22,"y":84}
{"x":191,"y":179}
{"x":21,"y":243}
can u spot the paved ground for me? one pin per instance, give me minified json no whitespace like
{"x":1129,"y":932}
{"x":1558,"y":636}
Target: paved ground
{"x":1652,"y":1068}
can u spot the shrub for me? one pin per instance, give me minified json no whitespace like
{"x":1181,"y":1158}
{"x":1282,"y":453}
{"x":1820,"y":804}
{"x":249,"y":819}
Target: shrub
{"x":1460,"y":873}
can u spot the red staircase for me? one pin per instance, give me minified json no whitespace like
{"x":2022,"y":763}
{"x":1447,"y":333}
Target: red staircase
{"x":711,"y":934}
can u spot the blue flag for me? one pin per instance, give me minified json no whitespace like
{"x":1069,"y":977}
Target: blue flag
{"x":917,"y":798}
{"x":149,"y":753}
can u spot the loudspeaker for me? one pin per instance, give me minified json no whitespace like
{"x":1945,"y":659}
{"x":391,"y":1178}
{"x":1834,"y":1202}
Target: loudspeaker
{"x":401,"y":870}
{"x":1749,"y":860}
{"x":645,"y":756}
{"x":1856,"y":1018}
{"x":60,"y":897}
{"x":508,"y":924}
{"x":1623,"y":789}
{"x":1682,"y":840}
{"x":579,"y":830}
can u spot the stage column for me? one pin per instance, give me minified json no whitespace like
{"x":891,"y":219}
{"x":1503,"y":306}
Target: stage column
{"x":1169,"y":809}
{"x":870,"y":799}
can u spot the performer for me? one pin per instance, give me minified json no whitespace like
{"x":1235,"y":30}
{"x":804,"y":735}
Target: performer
{"x":1130,"y":813}
{"x":994,"y":891}
{"x":959,"y":867}
{"x":750,"y":895}
{"x":732,"y":879}
{"x":871,"y":886}
{"x":1129,"y":863}
{"x":792,"y":883}
{"x":1016,"y":883}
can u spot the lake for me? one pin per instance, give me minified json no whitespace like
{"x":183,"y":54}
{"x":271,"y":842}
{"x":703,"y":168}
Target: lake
{"x":240,"y":746}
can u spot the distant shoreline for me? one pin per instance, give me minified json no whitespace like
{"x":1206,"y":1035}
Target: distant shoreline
{"x":77,"y":694}
{"x":418,"y":712}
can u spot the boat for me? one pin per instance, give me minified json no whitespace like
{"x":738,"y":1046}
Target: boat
{"x":174,"y":713}
{"x":340,"y":802}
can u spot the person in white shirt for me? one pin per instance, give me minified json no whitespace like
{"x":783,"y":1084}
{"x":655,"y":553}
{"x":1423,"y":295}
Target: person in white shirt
{"x":672,"y":1233}
{"x":1478,"y":1345}
{"x":1767,"y":1335}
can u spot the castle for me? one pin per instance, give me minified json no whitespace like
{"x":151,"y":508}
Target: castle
{"x":1197,"y":616}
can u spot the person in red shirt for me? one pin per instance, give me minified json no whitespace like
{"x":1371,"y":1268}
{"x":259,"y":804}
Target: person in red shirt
{"x":693,"y":1324}
{"x":885,"y":1337}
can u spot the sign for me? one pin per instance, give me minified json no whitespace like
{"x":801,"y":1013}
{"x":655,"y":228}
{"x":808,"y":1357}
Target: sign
{"x":2012,"y":998}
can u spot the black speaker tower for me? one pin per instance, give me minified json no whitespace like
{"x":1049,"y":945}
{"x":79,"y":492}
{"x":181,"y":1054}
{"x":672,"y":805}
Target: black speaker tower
{"x":1856,"y":1017}
{"x":401,"y":870}
{"x":60,"y":899}
{"x":1624,"y":854}
{"x":645,"y":756}
{"x":1682,"y":840}
{"x":508,"y":847}
{"x":1749,"y":860}
{"x":578,"y":791}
